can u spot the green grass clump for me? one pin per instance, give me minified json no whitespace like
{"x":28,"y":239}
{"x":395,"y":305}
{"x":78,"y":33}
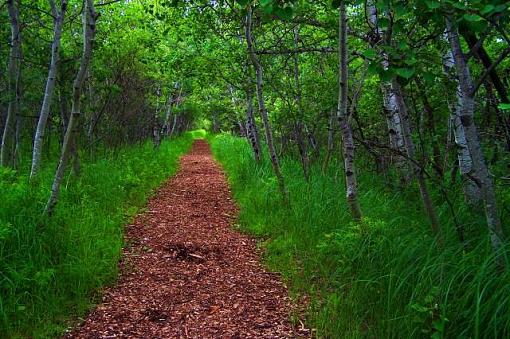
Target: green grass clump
{"x":51,"y":268}
{"x":385,"y":277}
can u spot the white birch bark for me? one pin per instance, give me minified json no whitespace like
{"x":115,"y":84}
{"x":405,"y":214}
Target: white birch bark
{"x":251,"y":127}
{"x":50,"y":84}
{"x":13,"y":71}
{"x":89,"y":28}
{"x":343,"y":119}
{"x":391,"y":111}
{"x":479,"y":172}
{"x":471,"y":191}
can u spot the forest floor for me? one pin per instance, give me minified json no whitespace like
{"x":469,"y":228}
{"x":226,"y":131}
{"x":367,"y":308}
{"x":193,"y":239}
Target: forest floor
{"x":186,"y":273}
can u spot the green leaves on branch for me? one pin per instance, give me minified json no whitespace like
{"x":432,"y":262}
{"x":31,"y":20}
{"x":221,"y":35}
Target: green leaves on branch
{"x":282,"y":9}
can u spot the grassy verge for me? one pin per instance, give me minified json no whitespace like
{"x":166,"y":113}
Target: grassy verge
{"x":383,"y":278}
{"x":51,"y":268}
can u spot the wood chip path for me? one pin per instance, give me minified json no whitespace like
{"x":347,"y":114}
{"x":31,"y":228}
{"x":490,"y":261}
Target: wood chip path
{"x":186,"y":273}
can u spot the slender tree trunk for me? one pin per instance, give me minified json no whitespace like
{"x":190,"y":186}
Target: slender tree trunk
{"x":89,"y":29}
{"x":331,"y":142}
{"x":50,"y":85}
{"x":174,"y":125}
{"x":168,"y":116}
{"x":298,"y":128}
{"x":13,"y":72}
{"x":262,"y":106}
{"x":481,"y":54}
{"x":156,"y":135}
{"x":343,"y":120}
{"x":478,"y":171}
{"x":472,"y":191}
{"x":410,"y":152}
{"x":391,"y":112}
{"x":399,"y":127}
{"x":251,"y":127}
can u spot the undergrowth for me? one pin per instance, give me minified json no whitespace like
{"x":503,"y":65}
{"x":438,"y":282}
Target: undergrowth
{"x":51,"y":268}
{"x":385,"y":277}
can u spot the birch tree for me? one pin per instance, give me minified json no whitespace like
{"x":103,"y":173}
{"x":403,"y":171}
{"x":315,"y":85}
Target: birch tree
{"x":343,"y":119}
{"x":89,"y":17}
{"x":252,"y":132}
{"x":58,"y":22}
{"x":474,"y":167}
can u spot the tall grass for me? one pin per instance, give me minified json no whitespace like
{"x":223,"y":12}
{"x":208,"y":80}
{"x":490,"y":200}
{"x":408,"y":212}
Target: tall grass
{"x":383,"y":278}
{"x":51,"y":268}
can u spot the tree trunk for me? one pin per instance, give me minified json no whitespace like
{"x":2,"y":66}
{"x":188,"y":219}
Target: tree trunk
{"x":478,"y":171}
{"x":50,"y":85}
{"x":401,"y":140}
{"x":343,"y":119}
{"x":89,"y":28}
{"x":298,"y":128}
{"x":13,"y":72}
{"x":410,"y":152}
{"x":156,"y":136}
{"x":397,"y":144}
{"x":472,"y":191}
{"x":168,"y":117}
{"x":251,"y":127}
{"x":482,"y":55}
{"x":262,"y":106}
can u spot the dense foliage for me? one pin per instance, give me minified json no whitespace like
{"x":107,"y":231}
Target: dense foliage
{"x":395,"y":111}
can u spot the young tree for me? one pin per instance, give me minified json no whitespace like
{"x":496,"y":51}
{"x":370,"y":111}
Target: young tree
{"x":89,"y":17}
{"x":475,"y":169}
{"x":343,"y":119}
{"x":58,"y":19}
{"x":262,"y":106}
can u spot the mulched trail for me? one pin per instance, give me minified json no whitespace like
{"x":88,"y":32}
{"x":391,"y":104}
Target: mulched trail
{"x":186,"y":273}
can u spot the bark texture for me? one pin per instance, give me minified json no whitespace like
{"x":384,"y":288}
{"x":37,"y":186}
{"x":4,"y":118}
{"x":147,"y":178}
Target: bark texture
{"x":478,"y":172}
{"x":251,"y":127}
{"x":89,"y":28}
{"x":343,"y":120}
{"x":50,"y":85}
{"x":391,"y":111}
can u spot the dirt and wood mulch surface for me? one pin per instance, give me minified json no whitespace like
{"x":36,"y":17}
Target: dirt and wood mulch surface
{"x":186,"y":273}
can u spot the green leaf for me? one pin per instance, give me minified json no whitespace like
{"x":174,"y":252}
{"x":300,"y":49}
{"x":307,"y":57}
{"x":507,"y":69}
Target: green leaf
{"x":487,"y":9}
{"x":504,"y":106}
{"x":472,"y":17}
{"x":374,"y":68}
{"x":432,"y":4}
{"x":405,"y":72}
{"x":369,"y":53}
{"x":265,"y":3}
{"x":243,"y":2}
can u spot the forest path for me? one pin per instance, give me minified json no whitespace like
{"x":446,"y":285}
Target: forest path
{"x":186,"y":273}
